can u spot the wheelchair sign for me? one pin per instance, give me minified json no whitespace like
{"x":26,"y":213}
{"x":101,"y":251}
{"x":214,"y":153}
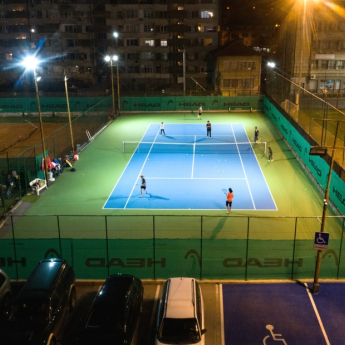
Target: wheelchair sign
{"x":321,"y":240}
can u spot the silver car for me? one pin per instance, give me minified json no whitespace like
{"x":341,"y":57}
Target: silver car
{"x":5,"y":292}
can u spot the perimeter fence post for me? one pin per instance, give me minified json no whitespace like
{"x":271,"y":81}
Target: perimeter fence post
{"x":154,"y":246}
{"x":246,"y":269}
{"x":341,"y":245}
{"x":293,"y":249}
{"x":58,"y":224}
{"x":14,"y":247}
{"x":201,"y":247}
{"x":106,"y":241}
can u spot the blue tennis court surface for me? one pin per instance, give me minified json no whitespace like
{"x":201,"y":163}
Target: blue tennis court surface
{"x":186,"y":170}
{"x":283,"y":313}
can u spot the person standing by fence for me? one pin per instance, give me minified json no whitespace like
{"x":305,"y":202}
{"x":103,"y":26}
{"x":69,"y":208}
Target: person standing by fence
{"x":8,"y":183}
{"x":200,"y":113}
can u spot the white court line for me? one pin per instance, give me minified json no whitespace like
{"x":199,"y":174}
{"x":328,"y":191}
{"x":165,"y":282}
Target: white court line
{"x":197,"y":178}
{"x":263,"y":175}
{"x":220,"y":288}
{"x":199,"y":135}
{"x":124,"y":169}
{"x":317,"y":314}
{"x":141,"y":169}
{"x":193,"y":156}
{"x":244,"y":171}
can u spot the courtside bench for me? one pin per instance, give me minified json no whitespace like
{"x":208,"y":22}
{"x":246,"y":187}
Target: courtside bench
{"x":37,"y":185}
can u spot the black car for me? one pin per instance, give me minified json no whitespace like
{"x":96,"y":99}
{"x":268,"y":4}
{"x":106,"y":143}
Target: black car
{"x":115,"y":312}
{"x":39,"y":309}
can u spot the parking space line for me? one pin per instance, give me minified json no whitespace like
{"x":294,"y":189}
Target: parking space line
{"x":220,"y":294}
{"x":317,"y":315}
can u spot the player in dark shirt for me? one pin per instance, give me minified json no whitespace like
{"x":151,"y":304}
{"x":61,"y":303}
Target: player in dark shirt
{"x":143,"y":186}
{"x":208,"y":127}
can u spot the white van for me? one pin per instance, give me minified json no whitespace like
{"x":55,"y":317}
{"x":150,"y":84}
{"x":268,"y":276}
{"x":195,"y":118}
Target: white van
{"x":181,"y":313}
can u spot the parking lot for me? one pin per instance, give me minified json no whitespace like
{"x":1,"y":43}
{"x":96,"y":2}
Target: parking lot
{"x":238,"y":314}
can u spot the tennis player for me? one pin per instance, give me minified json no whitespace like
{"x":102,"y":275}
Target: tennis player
{"x":256,"y":134}
{"x":208,"y":127}
{"x":229,"y":198}
{"x":270,"y":155}
{"x":162,"y":128}
{"x":200,"y":113}
{"x":143,"y":186}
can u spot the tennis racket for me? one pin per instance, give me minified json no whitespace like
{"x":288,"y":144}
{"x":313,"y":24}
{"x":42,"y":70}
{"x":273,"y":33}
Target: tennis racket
{"x":224,"y":191}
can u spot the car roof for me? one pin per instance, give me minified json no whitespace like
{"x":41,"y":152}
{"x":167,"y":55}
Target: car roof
{"x":180,"y":298}
{"x":112,"y":299}
{"x":44,"y":276}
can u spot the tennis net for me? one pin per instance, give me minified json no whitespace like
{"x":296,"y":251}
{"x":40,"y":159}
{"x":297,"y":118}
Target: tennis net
{"x":196,"y":148}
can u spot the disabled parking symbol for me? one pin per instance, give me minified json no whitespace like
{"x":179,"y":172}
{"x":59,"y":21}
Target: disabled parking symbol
{"x":273,"y":335}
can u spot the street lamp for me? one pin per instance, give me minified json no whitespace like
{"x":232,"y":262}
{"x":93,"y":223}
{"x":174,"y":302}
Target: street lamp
{"x":69,"y":113}
{"x":111,"y":59}
{"x":116,"y":35}
{"x":301,"y":53}
{"x":30,"y":62}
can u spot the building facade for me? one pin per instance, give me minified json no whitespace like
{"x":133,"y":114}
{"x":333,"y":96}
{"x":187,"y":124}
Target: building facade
{"x":318,"y":41}
{"x":76,"y":35}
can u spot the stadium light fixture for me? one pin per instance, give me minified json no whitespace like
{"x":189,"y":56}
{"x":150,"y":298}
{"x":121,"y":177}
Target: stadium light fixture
{"x":31,"y":62}
{"x":271,"y":64}
{"x":116,"y":59}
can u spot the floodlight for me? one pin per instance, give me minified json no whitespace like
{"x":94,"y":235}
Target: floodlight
{"x":30,"y":62}
{"x":115,"y":57}
{"x":107,"y":58}
{"x":271,"y":64}
{"x":115,"y":34}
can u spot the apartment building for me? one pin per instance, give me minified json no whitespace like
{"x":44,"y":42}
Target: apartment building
{"x":153,"y":39}
{"x":318,"y":41}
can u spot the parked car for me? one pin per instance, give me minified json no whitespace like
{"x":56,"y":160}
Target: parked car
{"x":181,"y":313}
{"x":5,"y":292}
{"x":115,"y":312}
{"x":40,"y":307}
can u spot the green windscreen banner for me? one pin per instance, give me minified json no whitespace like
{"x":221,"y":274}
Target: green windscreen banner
{"x":190,"y":103}
{"x":315,"y":164}
{"x":58,"y":104}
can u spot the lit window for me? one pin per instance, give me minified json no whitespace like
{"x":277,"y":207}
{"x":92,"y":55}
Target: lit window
{"x":9,"y":56}
{"x":164,"y":43}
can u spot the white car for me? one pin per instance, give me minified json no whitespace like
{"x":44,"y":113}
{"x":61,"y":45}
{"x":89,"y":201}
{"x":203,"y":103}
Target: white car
{"x":5,"y":292}
{"x":181,"y":313}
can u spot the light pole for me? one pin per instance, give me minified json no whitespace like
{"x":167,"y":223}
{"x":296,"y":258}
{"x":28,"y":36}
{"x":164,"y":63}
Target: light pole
{"x":69,"y":113}
{"x":116,"y":35}
{"x":108,"y":58}
{"x":301,"y":53}
{"x":116,"y":58}
{"x":30,"y":62}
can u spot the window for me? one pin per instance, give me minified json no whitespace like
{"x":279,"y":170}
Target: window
{"x":162,"y":14}
{"x":132,"y":56}
{"x":324,"y":64}
{"x":150,"y":43}
{"x":148,"y":28}
{"x":131,"y":28}
{"x":132,"y":42}
{"x":102,"y":35}
{"x":164,"y":56}
{"x":71,"y":42}
{"x":332,"y":64}
{"x":249,"y":83}
{"x":3,"y":14}
{"x":341,"y":64}
{"x":165,"y":69}
{"x":53,"y":14}
{"x":326,"y":44}
{"x":190,"y":56}
{"x":70,"y":56}
{"x":9,"y":56}
{"x":147,"y":56}
{"x":206,"y":41}
{"x":130,"y":14}
{"x":164,"y":43}
{"x":149,"y":14}
{"x":192,"y":14}
{"x":164,"y":28}
{"x":67,"y":14}
{"x":133,"y":69}
{"x":206,"y":14}
{"x":146,"y":69}
{"x":70,"y":28}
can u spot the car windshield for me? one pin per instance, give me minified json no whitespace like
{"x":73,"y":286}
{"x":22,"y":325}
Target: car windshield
{"x":36,"y":312}
{"x":181,"y":331}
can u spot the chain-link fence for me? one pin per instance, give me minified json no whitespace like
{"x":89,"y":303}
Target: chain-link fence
{"x":204,"y":247}
{"x":25,"y":167}
{"x":310,"y":110}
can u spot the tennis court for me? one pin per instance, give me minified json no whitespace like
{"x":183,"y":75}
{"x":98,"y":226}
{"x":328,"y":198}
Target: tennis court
{"x":185,"y":170}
